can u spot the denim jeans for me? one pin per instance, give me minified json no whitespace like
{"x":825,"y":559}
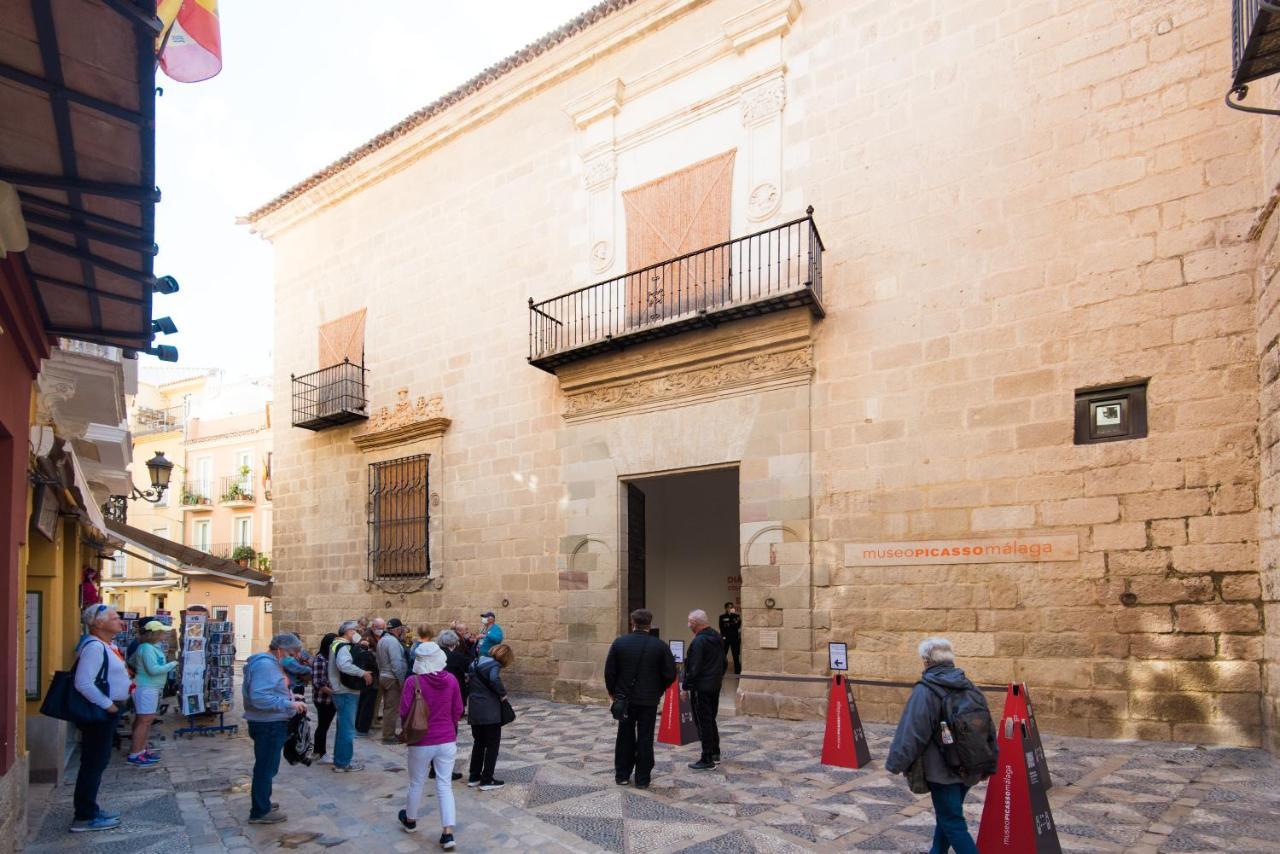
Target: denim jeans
{"x":95,"y":755}
{"x":344,"y":739}
{"x":950,"y":830}
{"x":268,"y":742}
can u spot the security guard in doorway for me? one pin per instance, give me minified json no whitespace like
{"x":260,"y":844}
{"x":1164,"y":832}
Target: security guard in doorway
{"x":731,"y":631}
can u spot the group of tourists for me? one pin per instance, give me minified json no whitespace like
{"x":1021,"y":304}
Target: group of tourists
{"x":422,"y":686}
{"x":426,"y":684}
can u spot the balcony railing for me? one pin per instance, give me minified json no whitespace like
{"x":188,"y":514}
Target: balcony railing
{"x":236,"y":489}
{"x":771,"y":270}
{"x":330,"y":397}
{"x":197,"y":494}
{"x":1255,"y":41}
{"x":147,"y":420}
{"x":247,"y":554}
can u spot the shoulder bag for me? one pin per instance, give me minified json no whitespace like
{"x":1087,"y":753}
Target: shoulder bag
{"x":419,"y":717}
{"x":506,"y":714}
{"x":64,"y":702}
{"x":620,"y":707}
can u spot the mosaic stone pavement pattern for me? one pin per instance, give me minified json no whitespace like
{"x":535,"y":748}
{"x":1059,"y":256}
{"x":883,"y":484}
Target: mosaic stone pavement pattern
{"x":771,"y":794}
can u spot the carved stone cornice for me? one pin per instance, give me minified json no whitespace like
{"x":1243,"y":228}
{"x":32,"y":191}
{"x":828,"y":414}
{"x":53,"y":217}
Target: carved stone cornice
{"x":762,"y":353}
{"x":404,"y":423}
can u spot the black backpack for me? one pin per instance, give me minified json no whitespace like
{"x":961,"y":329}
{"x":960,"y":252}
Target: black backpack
{"x":969,"y":720}
{"x":361,"y":657}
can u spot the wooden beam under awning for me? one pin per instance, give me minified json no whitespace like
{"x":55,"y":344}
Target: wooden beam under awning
{"x":259,"y":583}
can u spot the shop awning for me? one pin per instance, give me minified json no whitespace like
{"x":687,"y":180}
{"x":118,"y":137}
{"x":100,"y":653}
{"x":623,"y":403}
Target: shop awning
{"x":181,"y":559}
{"x":77,"y":120}
{"x":147,"y":583}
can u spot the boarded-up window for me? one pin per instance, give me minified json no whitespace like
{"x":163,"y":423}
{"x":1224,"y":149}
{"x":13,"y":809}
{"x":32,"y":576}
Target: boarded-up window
{"x":398,"y":518}
{"x":669,"y":217}
{"x":343,"y":339}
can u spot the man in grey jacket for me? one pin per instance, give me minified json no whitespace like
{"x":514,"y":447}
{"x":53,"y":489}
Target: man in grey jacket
{"x":393,"y":669}
{"x":914,"y":739}
{"x":268,"y":707}
{"x":345,"y":698}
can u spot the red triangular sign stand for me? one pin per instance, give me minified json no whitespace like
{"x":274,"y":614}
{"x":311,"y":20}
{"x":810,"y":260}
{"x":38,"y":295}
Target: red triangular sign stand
{"x":845,"y":744}
{"x":1017,"y":704}
{"x":676,"y":725}
{"x":1016,"y":818}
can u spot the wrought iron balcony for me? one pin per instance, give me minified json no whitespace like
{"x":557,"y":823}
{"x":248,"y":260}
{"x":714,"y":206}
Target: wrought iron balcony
{"x":330,"y":397}
{"x":772,"y":270}
{"x":197,"y":495}
{"x":236,"y":491}
{"x":1255,"y":40}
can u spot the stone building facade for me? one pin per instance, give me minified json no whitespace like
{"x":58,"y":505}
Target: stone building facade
{"x":1017,"y":203}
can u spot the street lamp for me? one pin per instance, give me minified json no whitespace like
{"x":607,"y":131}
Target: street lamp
{"x":160,"y":470}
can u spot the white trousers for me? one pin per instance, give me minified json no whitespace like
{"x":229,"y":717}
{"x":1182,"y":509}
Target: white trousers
{"x":420,"y":761}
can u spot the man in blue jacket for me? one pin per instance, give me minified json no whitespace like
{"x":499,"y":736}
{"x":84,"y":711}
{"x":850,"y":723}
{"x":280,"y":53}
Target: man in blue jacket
{"x":490,"y":634}
{"x":268,"y":707}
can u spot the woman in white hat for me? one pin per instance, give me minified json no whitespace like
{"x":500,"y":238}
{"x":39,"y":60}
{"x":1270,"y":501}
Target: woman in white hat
{"x":437,"y":745}
{"x":151,"y":672}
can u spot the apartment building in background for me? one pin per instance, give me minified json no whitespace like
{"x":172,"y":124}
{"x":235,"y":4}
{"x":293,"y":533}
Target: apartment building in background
{"x":218,"y":435}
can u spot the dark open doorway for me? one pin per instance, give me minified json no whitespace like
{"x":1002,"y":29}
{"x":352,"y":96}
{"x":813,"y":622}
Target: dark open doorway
{"x":681,"y":536}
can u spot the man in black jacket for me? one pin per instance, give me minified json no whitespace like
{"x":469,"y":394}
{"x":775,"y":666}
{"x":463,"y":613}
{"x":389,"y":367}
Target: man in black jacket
{"x":703,"y":673}
{"x":639,"y":667}
{"x":731,"y":634}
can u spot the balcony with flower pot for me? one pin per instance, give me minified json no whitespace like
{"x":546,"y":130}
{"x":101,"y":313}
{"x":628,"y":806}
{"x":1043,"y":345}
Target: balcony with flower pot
{"x":196,"y":496}
{"x":237,"y":490}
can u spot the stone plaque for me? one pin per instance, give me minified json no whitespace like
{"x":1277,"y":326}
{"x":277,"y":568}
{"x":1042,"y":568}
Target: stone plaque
{"x":768,"y":638}
{"x":1024,"y":549}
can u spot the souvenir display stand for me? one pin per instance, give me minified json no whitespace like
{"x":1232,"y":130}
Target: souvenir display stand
{"x":207,"y":656}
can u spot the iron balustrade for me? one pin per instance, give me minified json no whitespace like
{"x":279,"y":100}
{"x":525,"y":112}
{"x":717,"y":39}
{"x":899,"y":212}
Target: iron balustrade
{"x":235,"y":488}
{"x":1255,"y":40}
{"x":330,"y":396}
{"x":770,"y":270}
{"x":196,"y":493}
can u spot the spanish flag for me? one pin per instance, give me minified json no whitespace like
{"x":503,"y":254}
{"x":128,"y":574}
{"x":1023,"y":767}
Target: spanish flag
{"x":190,"y":46}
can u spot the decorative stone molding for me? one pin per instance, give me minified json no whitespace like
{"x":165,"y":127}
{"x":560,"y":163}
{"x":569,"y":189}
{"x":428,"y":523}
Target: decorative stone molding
{"x":763,"y":102}
{"x":762,"y":106}
{"x":600,"y":170}
{"x":745,"y":356}
{"x":596,"y":104}
{"x":771,"y":19}
{"x":405,"y":422}
{"x":681,"y":383}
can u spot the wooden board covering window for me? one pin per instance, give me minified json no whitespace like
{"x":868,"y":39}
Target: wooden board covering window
{"x":671,"y":216}
{"x":342,"y":339}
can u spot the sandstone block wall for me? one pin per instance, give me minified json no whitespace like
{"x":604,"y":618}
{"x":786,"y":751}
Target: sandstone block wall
{"x":1017,"y":201}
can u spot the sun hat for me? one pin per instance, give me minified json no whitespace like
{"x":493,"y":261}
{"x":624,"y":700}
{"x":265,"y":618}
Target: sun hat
{"x":428,"y":658}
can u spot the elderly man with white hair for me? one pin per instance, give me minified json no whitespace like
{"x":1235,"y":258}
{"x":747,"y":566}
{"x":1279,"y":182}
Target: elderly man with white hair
{"x":703,"y":674}
{"x":946,"y":722}
{"x":103,"y":680}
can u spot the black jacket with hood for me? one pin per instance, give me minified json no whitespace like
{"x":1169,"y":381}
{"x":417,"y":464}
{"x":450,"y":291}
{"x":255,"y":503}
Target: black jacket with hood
{"x":919,"y":722}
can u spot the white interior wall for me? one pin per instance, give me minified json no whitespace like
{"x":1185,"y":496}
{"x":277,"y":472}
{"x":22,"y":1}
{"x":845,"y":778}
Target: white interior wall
{"x":691,"y":546}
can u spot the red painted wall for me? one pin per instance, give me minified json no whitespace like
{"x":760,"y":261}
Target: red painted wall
{"x":23,"y":345}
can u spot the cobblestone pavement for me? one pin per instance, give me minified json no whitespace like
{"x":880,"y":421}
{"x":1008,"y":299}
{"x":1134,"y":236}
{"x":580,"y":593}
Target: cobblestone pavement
{"x":770,"y":795}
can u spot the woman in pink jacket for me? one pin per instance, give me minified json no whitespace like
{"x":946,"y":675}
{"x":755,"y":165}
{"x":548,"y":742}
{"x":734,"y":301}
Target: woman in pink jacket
{"x":439,"y":747}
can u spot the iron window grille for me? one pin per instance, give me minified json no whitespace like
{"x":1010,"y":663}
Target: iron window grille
{"x":398,"y":515}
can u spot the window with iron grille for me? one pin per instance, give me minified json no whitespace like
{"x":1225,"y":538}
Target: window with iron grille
{"x":398,"y":517}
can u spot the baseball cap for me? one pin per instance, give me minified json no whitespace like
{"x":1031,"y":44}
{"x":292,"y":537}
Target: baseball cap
{"x":394,"y":623}
{"x":156,"y":626}
{"x":488,"y":614}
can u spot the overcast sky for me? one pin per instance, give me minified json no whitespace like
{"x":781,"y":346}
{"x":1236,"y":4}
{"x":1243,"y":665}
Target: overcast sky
{"x":302,"y":82}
